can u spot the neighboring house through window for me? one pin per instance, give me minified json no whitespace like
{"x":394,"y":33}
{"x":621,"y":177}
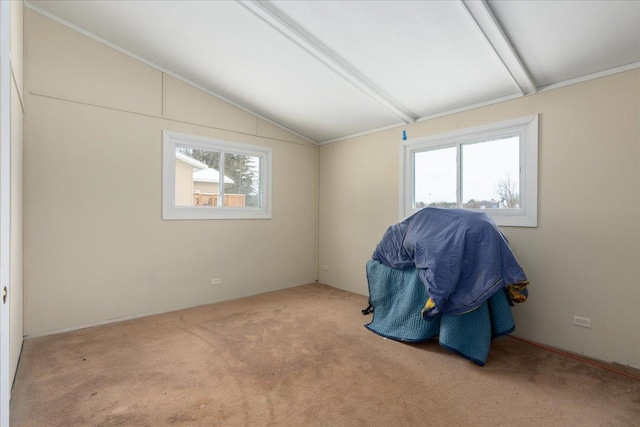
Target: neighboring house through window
{"x":491,"y":168}
{"x":205,"y":178}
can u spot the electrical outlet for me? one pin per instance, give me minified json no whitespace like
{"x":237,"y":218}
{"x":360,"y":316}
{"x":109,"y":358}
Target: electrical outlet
{"x":582,"y":321}
{"x":325,"y":267}
{"x":216,"y":281}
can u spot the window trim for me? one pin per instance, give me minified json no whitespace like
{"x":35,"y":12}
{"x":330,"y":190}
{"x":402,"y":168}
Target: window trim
{"x":525,"y":127}
{"x":171,"y":140}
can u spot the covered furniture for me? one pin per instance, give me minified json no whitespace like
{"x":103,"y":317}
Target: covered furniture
{"x":448,"y":273}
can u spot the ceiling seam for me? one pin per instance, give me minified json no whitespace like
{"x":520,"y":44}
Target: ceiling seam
{"x":162,"y":69}
{"x":286,"y":26}
{"x":429,"y":117}
{"x":489,"y":26}
{"x":366,"y":132}
{"x":591,"y":76}
{"x":569,"y":82}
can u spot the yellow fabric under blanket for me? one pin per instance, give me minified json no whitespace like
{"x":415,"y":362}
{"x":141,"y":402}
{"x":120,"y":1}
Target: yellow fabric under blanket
{"x":516,"y":293}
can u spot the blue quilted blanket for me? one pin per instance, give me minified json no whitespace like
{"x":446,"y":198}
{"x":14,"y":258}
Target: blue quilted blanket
{"x":461,"y":256}
{"x":397,"y":297}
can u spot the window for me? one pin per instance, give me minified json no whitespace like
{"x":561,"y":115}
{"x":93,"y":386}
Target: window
{"x":492,"y":168}
{"x":205,"y":178}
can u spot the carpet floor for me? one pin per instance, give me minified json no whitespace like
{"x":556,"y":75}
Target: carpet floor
{"x":300,"y":357}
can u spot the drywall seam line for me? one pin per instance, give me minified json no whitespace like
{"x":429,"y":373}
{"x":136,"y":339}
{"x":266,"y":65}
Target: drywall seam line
{"x":160,"y":68}
{"x":154,"y":116}
{"x":578,"y":358}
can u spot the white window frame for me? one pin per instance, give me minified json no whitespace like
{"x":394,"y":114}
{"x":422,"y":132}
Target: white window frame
{"x":525,"y":127}
{"x":172,"y":140}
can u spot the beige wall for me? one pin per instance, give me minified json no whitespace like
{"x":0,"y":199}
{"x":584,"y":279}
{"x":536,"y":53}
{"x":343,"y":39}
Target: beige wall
{"x":95,"y":247}
{"x":581,"y":258}
{"x":16,"y":297}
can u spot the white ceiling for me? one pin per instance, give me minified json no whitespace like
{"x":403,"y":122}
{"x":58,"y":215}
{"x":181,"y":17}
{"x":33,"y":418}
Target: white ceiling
{"x":330,"y":69}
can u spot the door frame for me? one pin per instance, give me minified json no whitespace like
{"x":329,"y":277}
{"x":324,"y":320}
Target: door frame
{"x":5,"y":206}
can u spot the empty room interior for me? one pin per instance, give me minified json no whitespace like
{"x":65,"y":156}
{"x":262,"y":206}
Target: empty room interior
{"x":199,"y":200}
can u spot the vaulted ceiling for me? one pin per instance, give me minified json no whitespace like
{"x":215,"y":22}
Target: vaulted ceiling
{"x":331,"y":69}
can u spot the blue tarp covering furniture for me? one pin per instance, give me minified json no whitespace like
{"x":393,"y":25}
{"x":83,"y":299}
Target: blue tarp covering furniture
{"x":398,"y":296}
{"x":462,"y":257}
{"x":448,"y":273}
